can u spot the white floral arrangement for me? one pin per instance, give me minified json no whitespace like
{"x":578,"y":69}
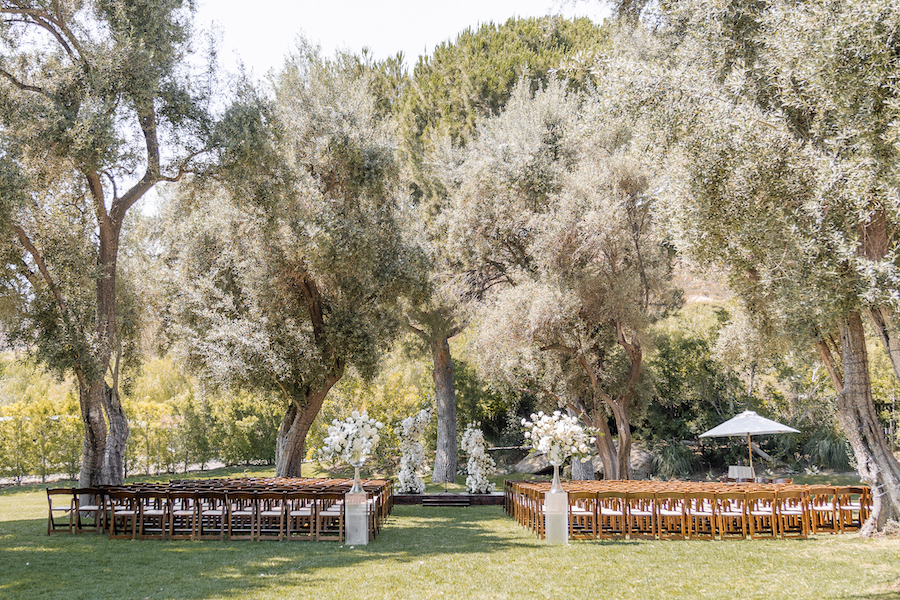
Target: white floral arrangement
{"x":352,"y":439}
{"x":479,"y":462}
{"x":558,"y":436}
{"x":412,"y":453}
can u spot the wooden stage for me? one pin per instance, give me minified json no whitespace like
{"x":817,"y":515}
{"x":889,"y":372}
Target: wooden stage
{"x":450,"y":499}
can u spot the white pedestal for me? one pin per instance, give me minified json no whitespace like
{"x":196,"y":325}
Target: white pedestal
{"x":356,"y":519}
{"x":556,"y":517}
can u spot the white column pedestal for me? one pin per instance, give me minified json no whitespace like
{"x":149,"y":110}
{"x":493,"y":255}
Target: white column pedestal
{"x":356,"y":519}
{"x":556,"y":517}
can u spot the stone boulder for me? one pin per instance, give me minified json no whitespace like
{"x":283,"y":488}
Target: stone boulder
{"x":534,"y":465}
{"x":641,"y":462}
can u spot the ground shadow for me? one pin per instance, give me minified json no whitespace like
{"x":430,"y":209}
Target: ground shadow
{"x":89,"y":565}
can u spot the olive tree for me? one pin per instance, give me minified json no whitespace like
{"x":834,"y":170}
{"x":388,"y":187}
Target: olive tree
{"x":449,"y":92}
{"x":779,"y":125}
{"x":96,"y":108}
{"x":551,"y":196}
{"x":289,"y":264}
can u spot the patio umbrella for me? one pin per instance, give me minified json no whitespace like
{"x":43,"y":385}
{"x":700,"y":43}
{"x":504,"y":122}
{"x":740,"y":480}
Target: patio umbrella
{"x":748,"y":423}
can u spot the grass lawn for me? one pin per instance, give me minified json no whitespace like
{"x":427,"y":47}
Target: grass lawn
{"x":475,"y":552}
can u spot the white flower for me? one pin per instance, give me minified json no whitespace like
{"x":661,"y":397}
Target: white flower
{"x":412,"y":454}
{"x":351,"y":440}
{"x":558,"y":436}
{"x":479,"y":462}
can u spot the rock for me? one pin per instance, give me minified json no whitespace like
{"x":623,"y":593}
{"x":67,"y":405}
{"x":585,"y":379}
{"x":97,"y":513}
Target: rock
{"x":641,"y":462}
{"x":534,"y":465}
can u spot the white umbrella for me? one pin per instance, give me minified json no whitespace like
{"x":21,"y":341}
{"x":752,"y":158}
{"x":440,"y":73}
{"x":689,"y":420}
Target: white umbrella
{"x":748,"y":423}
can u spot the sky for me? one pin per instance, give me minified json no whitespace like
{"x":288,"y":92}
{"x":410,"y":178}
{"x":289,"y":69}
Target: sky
{"x":261,"y":36}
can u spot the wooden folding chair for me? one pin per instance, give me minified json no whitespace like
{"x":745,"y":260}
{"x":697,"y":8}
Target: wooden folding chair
{"x":330,"y":517}
{"x":582,"y":515}
{"x":270,"y":515}
{"x":823,"y":510}
{"x":184,"y":515}
{"x":700,"y":514}
{"x":731,"y":515}
{"x":301,"y":515}
{"x":90,"y":509}
{"x":213,"y":521}
{"x":792,"y":513}
{"x":853,"y":506}
{"x":154,"y":513}
{"x":611,"y":521}
{"x":670,"y":515}
{"x":62,"y":515}
{"x":124,"y":513}
{"x":641,"y":515}
{"x":761,"y":515}
{"x":242,"y":516}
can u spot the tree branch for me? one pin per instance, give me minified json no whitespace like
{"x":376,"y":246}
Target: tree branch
{"x":837,"y":378}
{"x":42,"y":267}
{"x":151,"y":176}
{"x":23,"y":86}
{"x":55,"y":25}
{"x":418,"y":332}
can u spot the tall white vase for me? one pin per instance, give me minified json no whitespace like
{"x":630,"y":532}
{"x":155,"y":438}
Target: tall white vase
{"x":556,"y":512}
{"x":356,"y":513}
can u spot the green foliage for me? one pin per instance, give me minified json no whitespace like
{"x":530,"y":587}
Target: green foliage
{"x":40,"y":423}
{"x":245,"y":427}
{"x":499,"y":413}
{"x":174,"y":426}
{"x":553,"y":202}
{"x":672,"y":459}
{"x":474,"y":76}
{"x":400,"y":390}
{"x":97,"y":105}
{"x":694,"y":392}
{"x":289,"y":269}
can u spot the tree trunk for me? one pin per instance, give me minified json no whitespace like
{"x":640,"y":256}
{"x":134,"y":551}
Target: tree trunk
{"x":103,"y":460}
{"x":623,"y":428}
{"x":887,"y":328}
{"x":113,"y":470}
{"x":856,"y":413}
{"x":298,"y":418}
{"x":94,"y":448}
{"x":583,"y":471}
{"x":445,"y":459}
{"x":606,"y":449}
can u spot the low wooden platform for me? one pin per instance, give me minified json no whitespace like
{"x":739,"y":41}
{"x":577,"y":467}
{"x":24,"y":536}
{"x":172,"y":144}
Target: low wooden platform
{"x":450,"y":499}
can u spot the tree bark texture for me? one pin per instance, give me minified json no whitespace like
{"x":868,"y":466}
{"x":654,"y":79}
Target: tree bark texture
{"x":886,"y":324}
{"x":117,"y":437}
{"x":94,"y":446}
{"x":623,"y":428}
{"x":856,"y":413}
{"x":616,"y":460}
{"x":445,"y":459}
{"x":583,"y":471}
{"x":298,"y":418}
{"x":606,"y":448}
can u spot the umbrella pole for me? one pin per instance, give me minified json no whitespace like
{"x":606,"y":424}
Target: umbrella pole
{"x":750,"y":450}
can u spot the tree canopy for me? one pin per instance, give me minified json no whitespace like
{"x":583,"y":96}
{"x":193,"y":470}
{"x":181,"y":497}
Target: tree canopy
{"x":96,"y":107}
{"x":289,"y":266}
{"x":550,"y":195}
{"x":778,"y":121}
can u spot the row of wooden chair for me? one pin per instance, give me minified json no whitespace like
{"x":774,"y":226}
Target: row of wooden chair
{"x":677,"y":512}
{"x":236,"y":510}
